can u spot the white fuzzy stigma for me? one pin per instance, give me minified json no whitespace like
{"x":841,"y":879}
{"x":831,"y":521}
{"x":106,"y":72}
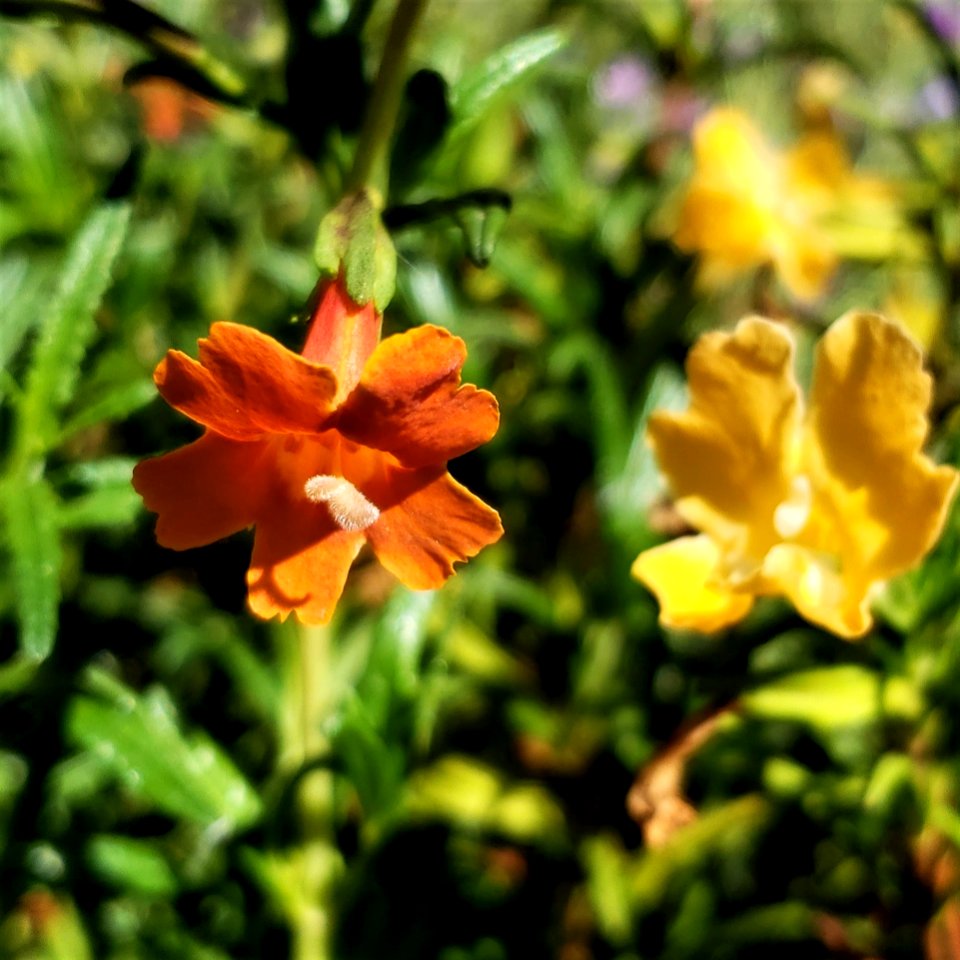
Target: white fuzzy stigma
{"x":347,"y":505}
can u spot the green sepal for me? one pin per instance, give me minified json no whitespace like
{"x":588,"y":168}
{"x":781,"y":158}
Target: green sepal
{"x":353,"y":241}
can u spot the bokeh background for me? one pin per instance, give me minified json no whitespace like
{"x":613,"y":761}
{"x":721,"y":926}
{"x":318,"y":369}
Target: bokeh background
{"x":446,"y":775}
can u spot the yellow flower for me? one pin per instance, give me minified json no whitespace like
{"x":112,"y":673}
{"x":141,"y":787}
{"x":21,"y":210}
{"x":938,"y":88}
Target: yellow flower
{"x":820,"y":506}
{"x":747,"y":205}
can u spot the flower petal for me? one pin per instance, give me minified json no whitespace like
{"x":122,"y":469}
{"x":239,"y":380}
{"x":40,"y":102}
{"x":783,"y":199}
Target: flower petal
{"x":681,"y":575}
{"x":730,"y":206}
{"x":728,"y":457}
{"x":205,"y":491}
{"x":815,"y":587}
{"x":300,"y":562}
{"x":247,"y":384}
{"x":804,"y":260}
{"x":409,"y":401}
{"x":868,"y":424}
{"x":427,"y":522}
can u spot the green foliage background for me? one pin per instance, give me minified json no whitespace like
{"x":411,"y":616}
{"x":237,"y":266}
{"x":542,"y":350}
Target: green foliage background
{"x":444,"y":775}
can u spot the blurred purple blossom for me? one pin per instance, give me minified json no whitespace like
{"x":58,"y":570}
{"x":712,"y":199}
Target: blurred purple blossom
{"x":944,"y":17}
{"x":939,"y":99}
{"x":624,"y":82}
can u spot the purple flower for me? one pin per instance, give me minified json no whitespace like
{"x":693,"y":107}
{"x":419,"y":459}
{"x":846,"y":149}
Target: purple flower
{"x":938,"y":99}
{"x":623,"y":82}
{"x":944,"y":17}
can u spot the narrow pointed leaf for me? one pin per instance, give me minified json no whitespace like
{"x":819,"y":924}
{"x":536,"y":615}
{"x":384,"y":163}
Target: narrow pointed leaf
{"x":497,"y":75}
{"x":30,"y":513}
{"x":68,"y":324}
{"x":115,"y":404}
{"x":140,"y":740}
{"x":21,"y":282}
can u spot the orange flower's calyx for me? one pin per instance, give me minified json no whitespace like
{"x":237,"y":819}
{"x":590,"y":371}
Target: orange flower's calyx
{"x":348,"y":506}
{"x":353,"y":243}
{"x":821,"y":507}
{"x":344,"y":446}
{"x":341,"y":335}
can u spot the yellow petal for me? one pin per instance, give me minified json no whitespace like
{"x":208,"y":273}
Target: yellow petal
{"x":814,"y":586}
{"x":882,"y":503}
{"x":728,"y":457}
{"x":728,"y":211}
{"x":817,"y":167}
{"x":804,"y":260}
{"x":729,"y":150}
{"x":682,"y":575}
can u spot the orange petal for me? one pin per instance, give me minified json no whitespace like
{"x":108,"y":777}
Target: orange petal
{"x":727,"y":458}
{"x":300,"y":562}
{"x":683,"y":575}
{"x":205,"y":491}
{"x":884,"y":501}
{"x":246,"y":384}
{"x":427,"y":522}
{"x":409,"y":401}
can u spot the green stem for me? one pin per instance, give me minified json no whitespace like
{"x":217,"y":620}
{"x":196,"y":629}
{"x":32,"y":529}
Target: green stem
{"x":309,"y":700}
{"x":384,"y":103}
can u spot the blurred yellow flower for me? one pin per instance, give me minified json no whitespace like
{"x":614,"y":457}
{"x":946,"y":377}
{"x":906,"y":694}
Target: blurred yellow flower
{"x":820,"y":506}
{"x":747,"y":205}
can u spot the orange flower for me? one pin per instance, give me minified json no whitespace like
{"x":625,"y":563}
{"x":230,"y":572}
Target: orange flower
{"x":321,"y":452}
{"x":170,"y":110}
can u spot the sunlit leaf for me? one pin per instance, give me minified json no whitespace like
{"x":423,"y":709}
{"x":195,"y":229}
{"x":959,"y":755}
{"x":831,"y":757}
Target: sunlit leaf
{"x":479,"y":89}
{"x":140,"y":738}
{"x":844,"y":695}
{"x":116,"y":506}
{"x":30,"y":509}
{"x":21,"y":285}
{"x":130,"y":864}
{"x":67,"y":325}
{"x":110,"y":500}
{"x":475,"y":795}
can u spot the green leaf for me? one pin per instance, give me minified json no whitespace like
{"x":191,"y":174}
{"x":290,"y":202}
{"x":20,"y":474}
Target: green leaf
{"x":116,"y":404}
{"x":129,"y":864}
{"x":480,"y":88}
{"x":374,"y":766}
{"x":474,"y":795}
{"x":628,"y":495}
{"x":612,"y":433}
{"x":105,"y":472}
{"x":30,"y":509}
{"x":21,"y":283}
{"x":727,"y":832}
{"x":110,"y":501}
{"x":608,"y":885}
{"x":116,"y":506}
{"x":68,"y":324}
{"x":140,"y":739}
{"x":838,"y":696}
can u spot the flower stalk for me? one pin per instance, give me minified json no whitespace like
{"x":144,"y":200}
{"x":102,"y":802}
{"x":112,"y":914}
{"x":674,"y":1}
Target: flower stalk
{"x":384,"y":103}
{"x":308,"y":697}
